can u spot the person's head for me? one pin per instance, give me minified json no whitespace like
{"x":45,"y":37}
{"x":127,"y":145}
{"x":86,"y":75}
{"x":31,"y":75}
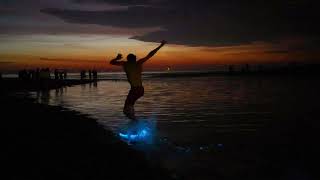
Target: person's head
{"x":131,"y":58}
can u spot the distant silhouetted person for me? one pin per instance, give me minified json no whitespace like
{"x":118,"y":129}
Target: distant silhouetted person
{"x":90,"y":74}
{"x":83,"y":74}
{"x":56,"y":74}
{"x":64,"y":74}
{"x":29,"y":75}
{"x":47,"y":73}
{"x":231,"y":69}
{"x":23,"y":74}
{"x":247,"y":68}
{"x":95,"y":74}
{"x":37,"y":74}
{"x":32,"y":74}
{"x":133,"y":69}
{"x":260,"y":68}
{"x":61,"y":75}
{"x":42,"y":73}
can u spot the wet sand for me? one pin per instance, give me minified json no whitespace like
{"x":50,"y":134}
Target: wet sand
{"x":50,"y":142}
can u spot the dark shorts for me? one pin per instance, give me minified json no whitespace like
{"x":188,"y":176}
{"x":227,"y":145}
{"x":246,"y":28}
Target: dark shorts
{"x":134,"y":94}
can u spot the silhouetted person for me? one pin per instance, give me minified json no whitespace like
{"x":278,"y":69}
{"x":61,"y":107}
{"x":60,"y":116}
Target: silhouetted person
{"x":23,"y":74}
{"x":65,"y":74}
{"x":83,"y":74}
{"x":32,"y":74}
{"x":47,"y":73}
{"x":56,"y":74}
{"x":247,"y":68}
{"x":0,"y":76}
{"x":260,"y":68}
{"x":20,"y":74}
{"x":231,"y":69}
{"x":29,"y":74}
{"x":42,"y":75}
{"x":95,"y":74}
{"x":133,"y":71}
{"x":61,"y":75}
{"x":90,"y":74}
{"x":37,"y":73}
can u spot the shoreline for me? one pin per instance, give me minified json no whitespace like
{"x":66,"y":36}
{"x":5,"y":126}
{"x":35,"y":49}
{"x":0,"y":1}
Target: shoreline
{"x":17,"y":85}
{"x":50,"y":142}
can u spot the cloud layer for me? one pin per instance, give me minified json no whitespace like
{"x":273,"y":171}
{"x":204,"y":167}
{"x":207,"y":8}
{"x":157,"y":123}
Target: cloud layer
{"x":185,"y":22}
{"x":205,"y":22}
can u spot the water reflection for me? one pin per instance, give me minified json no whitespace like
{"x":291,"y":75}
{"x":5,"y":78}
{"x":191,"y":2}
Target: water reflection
{"x":43,"y":97}
{"x":189,"y":109}
{"x":185,"y":108}
{"x":206,"y":123}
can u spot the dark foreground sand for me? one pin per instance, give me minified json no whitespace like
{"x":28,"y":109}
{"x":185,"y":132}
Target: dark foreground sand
{"x":46,"y":142}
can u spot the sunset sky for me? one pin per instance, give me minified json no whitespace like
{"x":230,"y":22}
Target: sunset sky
{"x":202,"y":34}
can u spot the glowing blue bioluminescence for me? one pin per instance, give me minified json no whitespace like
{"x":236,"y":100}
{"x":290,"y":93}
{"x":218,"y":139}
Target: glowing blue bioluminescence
{"x":140,"y":131}
{"x":141,"y":134}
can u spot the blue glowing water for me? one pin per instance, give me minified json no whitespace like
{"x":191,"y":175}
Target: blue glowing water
{"x":143,"y":131}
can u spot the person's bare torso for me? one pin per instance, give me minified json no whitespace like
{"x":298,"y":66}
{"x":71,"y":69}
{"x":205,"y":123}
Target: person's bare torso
{"x":133,"y":72}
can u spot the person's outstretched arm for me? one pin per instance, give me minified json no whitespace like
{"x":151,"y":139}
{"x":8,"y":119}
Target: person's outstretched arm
{"x":152,"y":53}
{"x":116,"y":62}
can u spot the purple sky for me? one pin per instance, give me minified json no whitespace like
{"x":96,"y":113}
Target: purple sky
{"x":285,"y":27}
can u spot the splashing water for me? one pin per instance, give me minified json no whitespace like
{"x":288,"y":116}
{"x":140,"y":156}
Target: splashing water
{"x":143,"y":131}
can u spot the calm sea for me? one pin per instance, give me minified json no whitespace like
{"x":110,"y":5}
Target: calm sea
{"x":199,"y":113}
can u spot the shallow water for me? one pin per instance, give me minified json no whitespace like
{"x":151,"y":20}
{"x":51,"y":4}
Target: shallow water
{"x":196,"y":113}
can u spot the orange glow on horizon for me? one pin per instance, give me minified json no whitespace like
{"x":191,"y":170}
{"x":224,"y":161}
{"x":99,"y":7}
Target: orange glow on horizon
{"x":92,"y":52}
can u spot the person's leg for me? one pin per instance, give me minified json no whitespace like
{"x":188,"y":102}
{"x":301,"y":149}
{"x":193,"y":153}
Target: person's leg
{"x":128,"y":108}
{"x":138,"y":93}
{"x":133,"y":96}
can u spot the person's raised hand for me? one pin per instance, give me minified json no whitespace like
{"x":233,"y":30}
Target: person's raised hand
{"x":119,"y":56}
{"x":163,"y":42}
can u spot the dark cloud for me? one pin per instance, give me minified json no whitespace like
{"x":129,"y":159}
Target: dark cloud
{"x":135,"y":17}
{"x":119,"y":2}
{"x":206,"y":22}
{"x":24,"y":18}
